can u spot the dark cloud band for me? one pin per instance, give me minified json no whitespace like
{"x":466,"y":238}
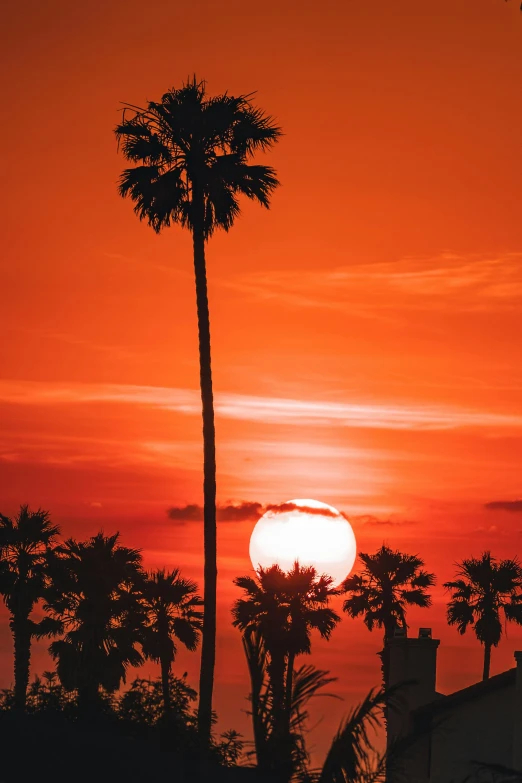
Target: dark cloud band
{"x":246,"y":511}
{"x":230,"y":512}
{"x":514,"y":506}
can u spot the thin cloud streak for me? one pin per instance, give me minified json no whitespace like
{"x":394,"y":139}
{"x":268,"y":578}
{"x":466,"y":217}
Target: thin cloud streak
{"x":471,"y":283}
{"x":267,"y":410}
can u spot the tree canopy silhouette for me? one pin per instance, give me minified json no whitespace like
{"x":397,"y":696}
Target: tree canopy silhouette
{"x":191,"y":155}
{"x":172,"y":607}
{"x":482,"y":591}
{"x":96,"y":599}
{"x":25,"y":543}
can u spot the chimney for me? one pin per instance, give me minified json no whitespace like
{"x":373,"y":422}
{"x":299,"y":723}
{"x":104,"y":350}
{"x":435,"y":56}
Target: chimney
{"x":517,"y":715}
{"x":412,"y":661}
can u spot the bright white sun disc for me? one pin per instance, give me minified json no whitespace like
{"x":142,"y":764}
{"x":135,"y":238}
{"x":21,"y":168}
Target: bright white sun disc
{"x":313,"y":533}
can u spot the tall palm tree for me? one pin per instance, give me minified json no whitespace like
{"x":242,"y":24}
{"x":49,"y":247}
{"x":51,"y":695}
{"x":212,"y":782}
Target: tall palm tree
{"x":277,"y":616}
{"x":483,"y":590}
{"x":191,"y":158}
{"x":381,"y":593}
{"x":171,"y":605}
{"x":96,"y":598}
{"x":25,"y":543}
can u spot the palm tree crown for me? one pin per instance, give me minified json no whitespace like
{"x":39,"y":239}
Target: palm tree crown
{"x":96,"y":599}
{"x":25,"y":543}
{"x":172,"y":607}
{"x":193,"y":153}
{"x":483,"y":590}
{"x":389,"y":582}
{"x":286,"y":607}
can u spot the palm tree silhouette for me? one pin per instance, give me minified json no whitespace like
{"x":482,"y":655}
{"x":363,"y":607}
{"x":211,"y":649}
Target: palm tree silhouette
{"x":483,"y":590}
{"x":389,"y":583}
{"x":353,"y":756}
{"x":277,"y":616}
{"x":171,"y":604}
{"x":307,"y":681}
{"x":192,"y":157}
{"x":25,"y":543}
{"x":96,"y":598}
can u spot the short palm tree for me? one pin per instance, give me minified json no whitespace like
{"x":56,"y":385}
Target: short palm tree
{"x":277,"y":616}
{"x":353,"y":757}
{"x":389,"y":583}
{"x":25,"y":544}
{"x":483,"y":590}
{"x":191,"y":162}
{"x":307,"y":683}
{"x":172,"y":607}
{"x":96,"y":598}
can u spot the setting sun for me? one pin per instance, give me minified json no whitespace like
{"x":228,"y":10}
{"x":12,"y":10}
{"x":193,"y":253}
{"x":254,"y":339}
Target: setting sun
{"x":267,"y":256}
{"x":308,"y":531}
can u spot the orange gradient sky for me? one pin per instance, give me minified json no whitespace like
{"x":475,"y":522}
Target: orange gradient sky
{"x":366,"y":331}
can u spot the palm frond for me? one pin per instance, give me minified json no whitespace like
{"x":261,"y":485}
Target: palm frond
{"x":352,"y":753}
{"x":307,"y":683}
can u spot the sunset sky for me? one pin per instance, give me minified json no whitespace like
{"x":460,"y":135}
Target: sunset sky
{"x":366,"y":330}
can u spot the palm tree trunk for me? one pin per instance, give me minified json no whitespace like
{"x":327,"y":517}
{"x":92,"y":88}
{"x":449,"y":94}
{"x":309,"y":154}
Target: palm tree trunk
{"x":88,"y":702}
{"x":208,"y":649}
{"x":385,"y":670}
{"x":22,"y":656}
{"x":279,"y":736}
{"x":256,"y":660}
{"x":385,"y":653}
{"x":165,"y":672}
{"x":287,"y":765}
{"x":276,"y":671}
{"x":487,"y":661}
{"x":289,"y":688}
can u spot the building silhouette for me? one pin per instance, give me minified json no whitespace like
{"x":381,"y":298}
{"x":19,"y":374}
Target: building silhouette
{"x":447,"y":738}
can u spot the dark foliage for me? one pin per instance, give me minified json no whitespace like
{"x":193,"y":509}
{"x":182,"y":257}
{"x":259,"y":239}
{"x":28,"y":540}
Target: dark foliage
{"x":137,"y":714}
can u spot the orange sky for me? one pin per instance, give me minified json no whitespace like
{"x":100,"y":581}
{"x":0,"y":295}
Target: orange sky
{"x":366,"y":330}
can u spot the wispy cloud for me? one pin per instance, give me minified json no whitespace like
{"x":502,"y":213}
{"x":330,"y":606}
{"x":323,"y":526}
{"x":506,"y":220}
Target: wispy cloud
{"x":119,"y":351}
{"x":469,"y":283}
{"x":371,"y":521}
{"x":267,"y":410}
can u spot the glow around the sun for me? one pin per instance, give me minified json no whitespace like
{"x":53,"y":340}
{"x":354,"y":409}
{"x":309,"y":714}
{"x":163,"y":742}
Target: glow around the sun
{"x":308,"y":531}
